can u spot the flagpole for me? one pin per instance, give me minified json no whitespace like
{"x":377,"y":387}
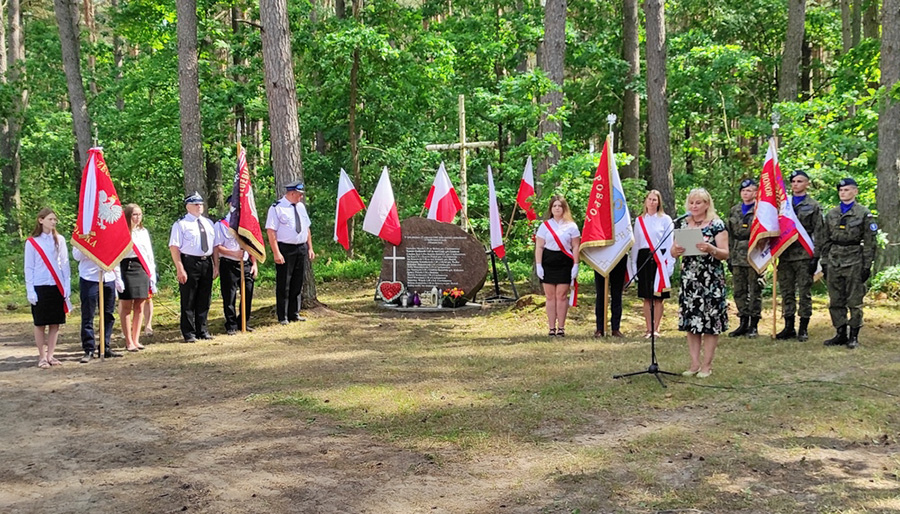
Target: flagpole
{"x":101,"y":309}
{"x":243,"y":282}
{"x":776,"y":117}
{"x":610,"y":120}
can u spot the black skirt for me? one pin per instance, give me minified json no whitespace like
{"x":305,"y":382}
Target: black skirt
{"x":557,"y":267}
{"x":51,"y":307}
{"x":647,"y":276}
{"x":137,"y":282}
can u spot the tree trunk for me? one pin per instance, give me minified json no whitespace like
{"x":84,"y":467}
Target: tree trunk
{"x":806,"y":71}
{"x":92,"y":38}
{"x":887,"y":195}
{"x":631,"y":112}
{"x":870,"y":20}
{"x":658,"y":104}
{"x":793,"y":48}
{"x":216,"y":198}
{"x":118,"y":58}
{"x":281,"y":93}
{"x":846,"y":26}
{"x":189,"y":98}
{"x":12,"y":70}
{"x":553,"y":56}
{"x":67,"y":20}
{"x":856,"y":22}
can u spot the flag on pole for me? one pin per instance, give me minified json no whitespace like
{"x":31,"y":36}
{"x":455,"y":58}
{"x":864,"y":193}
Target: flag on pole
{"x":442,"y":202}
{"x":608,"y":234}
{"x":496,"y":229}
{"x":101,"y":231}
{"x":244,"y":220}
{"x":775,"y":225}
{"x":348,"y":204}
{"x":382,"y":219}
{"x":525,"y":196}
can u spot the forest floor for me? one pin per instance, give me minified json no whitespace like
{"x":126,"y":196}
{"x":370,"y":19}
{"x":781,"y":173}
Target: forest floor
{"x":359,"y":410}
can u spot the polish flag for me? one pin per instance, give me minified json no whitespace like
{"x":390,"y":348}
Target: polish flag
{"x":348,"y":204}
{"x":382,"y":219}
{"x":496,"y":229}
{"x":526,"y":191}
{"x":442,"y":202}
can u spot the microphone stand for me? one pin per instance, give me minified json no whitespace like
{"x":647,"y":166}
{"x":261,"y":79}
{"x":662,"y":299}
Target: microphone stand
{"x":653,"y":369}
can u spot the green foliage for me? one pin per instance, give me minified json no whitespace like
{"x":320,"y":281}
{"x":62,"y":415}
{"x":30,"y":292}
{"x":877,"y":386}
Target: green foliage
{"x":887,"y":281}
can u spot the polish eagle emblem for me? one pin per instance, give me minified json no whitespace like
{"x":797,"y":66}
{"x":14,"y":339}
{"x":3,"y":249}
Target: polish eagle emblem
{"x":108,"y":211}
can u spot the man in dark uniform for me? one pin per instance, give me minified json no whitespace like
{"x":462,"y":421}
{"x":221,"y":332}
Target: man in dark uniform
{"x":796,"y":266}
{"x":287,"y":226}
{"x":847,"y":251}
{"x":230,"y":256}
{"x":191,"y":243}
{"x":616,"y":286}
{"x":745,"y":279}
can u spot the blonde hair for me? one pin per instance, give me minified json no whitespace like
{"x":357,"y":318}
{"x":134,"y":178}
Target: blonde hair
{"x":567,"y":213}
{"x":39,"y":229}
{"x":659,"y":205}
{"x":129,"y":210}
{"x":703,"y":195}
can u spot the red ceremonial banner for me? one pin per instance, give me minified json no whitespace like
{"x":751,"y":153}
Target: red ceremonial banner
{"x":244,"y":222}
{"x":599,"y":226}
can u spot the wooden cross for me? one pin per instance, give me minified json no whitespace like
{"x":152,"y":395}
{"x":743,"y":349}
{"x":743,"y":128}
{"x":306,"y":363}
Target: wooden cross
{"x":394,"y":259}
{"x":462,"y":146}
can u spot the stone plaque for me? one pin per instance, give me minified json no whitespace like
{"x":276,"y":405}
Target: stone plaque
{"x":435,"y":254}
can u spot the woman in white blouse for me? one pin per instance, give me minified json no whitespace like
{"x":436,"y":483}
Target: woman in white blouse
{"x":47,"y":287}
{"x":653,"y":230}
{"x":557,"y":245}
{"x":136,"y":279}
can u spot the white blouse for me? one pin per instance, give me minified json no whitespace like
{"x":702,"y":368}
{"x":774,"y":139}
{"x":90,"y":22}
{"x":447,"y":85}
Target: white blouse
{"x":36,"y":272}
{"x":140,"y":237}
{"x":657,"y":227}
{"x":566,"y":231}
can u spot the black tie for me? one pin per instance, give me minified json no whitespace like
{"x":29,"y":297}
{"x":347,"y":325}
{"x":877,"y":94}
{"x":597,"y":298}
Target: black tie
{"x":204,"y":244}
{"x":297,"y":224}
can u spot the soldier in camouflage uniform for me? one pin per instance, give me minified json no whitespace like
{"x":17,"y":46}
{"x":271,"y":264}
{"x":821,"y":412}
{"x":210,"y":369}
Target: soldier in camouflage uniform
{"x":745,"y":280}
{"x":847,"y":251}
{"x":796,"y":266}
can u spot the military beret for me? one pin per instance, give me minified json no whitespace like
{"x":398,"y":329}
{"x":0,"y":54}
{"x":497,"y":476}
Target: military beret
{"x":747,"y":182}
{"x":294,"y":186}
{"x":799,"y":173}
{"x":847,"y":182}
{"x":193,"y":198}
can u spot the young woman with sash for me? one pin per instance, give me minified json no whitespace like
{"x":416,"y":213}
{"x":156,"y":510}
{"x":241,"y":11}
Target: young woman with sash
{"x":556,"y":252}
{"x":47,"y":284}
{"x":651,"y":259}
{"x":136,"y":278}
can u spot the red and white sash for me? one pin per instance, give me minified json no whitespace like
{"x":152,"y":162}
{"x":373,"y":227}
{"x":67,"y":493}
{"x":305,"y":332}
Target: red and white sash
{"x":573,"y":295}
{"x":661,"y":282}
{"x":52,"y":269}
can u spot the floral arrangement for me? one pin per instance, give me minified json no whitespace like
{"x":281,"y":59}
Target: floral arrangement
{"x":453,"y":298}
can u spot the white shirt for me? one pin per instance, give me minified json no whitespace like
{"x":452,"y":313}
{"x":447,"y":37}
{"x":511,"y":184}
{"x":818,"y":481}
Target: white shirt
{"x":281,"y":219}
{"x":657,"y":227}
{"x":225,"y":238}
{"x":186,"y":236}
{"x":90,"y":270}
{"x":566,"y":231}
{"x":140,"y":238}
{"x":36,"y":272}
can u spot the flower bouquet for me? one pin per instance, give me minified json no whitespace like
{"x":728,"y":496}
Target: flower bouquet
{"x":453,"y":298}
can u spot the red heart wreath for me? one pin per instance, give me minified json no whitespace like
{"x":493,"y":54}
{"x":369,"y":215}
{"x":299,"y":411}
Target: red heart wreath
{"x":390,"y":291}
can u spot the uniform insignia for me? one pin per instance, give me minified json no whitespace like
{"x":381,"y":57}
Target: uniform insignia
{"x":744,"y":225}
{"x":842,"y":227}
{"x":873,"y":227}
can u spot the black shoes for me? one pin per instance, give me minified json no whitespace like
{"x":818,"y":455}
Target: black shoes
{"x":742,"y":329}
{"x":230,"y":332}
{"x":298,"y":318}
{"x":87,"y":357}
{"x":840,"y":338}
{"x":853,"y":343}
{"x":803,"y":331}
{"x":788,"y":332}
{"x":752,"y":331}
{"x":109,"y":354}
{"x":206,"y":337}
{"x":190,"y":340}
{"x":283,"y":322}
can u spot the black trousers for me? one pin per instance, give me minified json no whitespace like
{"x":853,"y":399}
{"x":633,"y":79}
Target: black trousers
{"x":230,"y":284}
{"x":196,"y":295}
{"x":616,"y":283}
{"x":89,"y":292}
{"x":289,"y":280}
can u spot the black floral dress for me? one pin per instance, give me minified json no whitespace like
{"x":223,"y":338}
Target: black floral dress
{"x":702,"y":304}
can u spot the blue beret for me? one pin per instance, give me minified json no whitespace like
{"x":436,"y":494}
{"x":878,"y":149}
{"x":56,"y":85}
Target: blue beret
{"x":799,"y":173}
{"x":294,"y":186}
{"x":193,"y":198}
{"x":847,"y":182}
{"x":747,"y":182}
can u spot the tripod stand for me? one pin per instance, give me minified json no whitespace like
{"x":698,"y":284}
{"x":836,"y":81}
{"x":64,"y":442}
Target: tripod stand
{"x":653,"y":369}
{"x":497,"y":297}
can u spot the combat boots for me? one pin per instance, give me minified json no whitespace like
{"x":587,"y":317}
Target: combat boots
{"x":741,"y":330}
{"x":854,"y":338}
{"x":803,"y":331}
{"x":788,"y":331}
{"x":752,"y":331}
{"x":840,"y":338}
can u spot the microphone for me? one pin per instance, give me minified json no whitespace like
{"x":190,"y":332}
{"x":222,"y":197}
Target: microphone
{"x":683,"y":216}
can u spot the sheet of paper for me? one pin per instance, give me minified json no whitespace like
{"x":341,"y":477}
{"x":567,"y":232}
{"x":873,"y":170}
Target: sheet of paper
{"x":688,"y":238}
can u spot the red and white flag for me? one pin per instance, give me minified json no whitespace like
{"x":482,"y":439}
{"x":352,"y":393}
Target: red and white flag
{"x":525,"y":196}
{"x":348,"y":204}
{"x":382,"y":219}
{"x":244,"y":220}
{"x":775,"y":226}
{"x":101,"y":231}
{"x":608,"y":233}
{"x":442,"y":202}
{"x":496,"y":229}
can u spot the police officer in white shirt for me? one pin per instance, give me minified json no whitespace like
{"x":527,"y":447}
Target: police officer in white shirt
{"x":89,"y":291}
{"x":230,"y":256}
{"x":287,"y":226}
{"x":192,"y":243}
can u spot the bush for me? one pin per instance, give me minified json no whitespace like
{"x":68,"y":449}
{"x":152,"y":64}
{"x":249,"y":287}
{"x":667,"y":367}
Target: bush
{"x":888,"y":282}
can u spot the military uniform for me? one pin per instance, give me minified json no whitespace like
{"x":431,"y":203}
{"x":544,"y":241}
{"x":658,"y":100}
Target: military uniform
{"x":745,"y":279}
{"x":796,"y":268}
{"x":847,"y":252}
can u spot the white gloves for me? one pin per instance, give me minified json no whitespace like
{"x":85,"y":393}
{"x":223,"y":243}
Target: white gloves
{"x":540,"y":270}
{"x":575,"y":271}
{"x":153,"y":287}
{"x":32,"y":297}
{"x":120,"y":286}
